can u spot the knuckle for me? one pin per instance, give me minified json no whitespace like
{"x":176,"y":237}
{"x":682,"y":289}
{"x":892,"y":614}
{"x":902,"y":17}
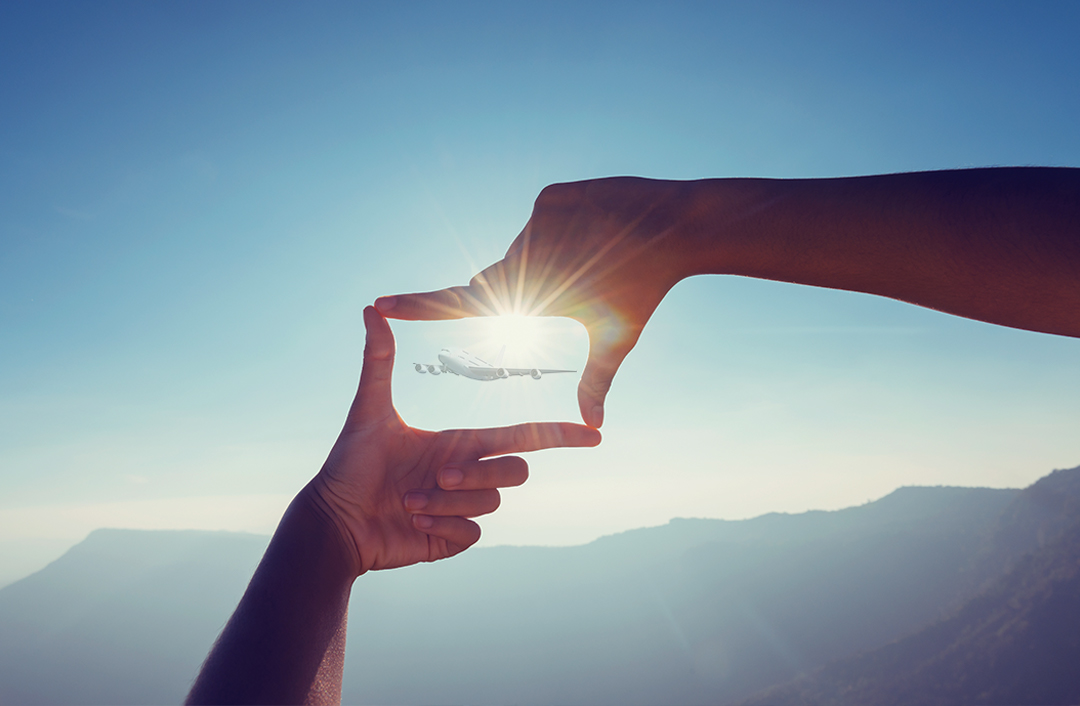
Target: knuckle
{"x":453,"y":296}
{"x":521,"y":437}
{"x":558,"y":197}
{"x":555,"y":436}
{"x":550,"y":194}
{"x":596,"y":386}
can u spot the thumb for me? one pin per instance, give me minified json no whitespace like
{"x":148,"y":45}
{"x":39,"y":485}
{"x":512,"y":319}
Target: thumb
{"x":373,"y":400}
{"x":605,"y":357}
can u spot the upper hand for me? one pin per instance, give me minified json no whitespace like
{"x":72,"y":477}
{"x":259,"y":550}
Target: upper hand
{"x":602,"y":252}
{"x":400,"y":495}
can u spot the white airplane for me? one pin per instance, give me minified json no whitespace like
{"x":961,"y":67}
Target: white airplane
{"x":463,"y":363}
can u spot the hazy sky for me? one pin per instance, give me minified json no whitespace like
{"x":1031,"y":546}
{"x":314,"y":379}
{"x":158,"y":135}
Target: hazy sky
{"x":198,"y":199}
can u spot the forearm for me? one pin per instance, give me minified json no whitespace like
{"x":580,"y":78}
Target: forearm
{"x":286,"y":641}
{"x":998,"y":245}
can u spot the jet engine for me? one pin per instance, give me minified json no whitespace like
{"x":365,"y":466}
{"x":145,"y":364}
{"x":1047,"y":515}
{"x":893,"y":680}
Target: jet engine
{"x":433,"y":369}
{"x":501,"y":373}
{"x":420,"y":368}
{"x":535,"y":374}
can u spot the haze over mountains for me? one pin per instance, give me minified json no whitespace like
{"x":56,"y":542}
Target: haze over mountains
{"x":931,"y":595}
{"x":1018,"y":642}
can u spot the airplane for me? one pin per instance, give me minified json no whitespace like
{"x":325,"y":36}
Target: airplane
{"x":462,"y":362}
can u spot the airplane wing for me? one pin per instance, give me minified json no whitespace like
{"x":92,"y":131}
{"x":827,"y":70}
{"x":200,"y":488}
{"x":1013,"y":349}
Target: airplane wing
{"x":534,"y":373}
{"x":489,"y":373}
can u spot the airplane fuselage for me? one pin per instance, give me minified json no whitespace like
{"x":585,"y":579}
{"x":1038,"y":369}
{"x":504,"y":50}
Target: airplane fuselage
{"x":461,"y":362}
{"x":465,"y":364}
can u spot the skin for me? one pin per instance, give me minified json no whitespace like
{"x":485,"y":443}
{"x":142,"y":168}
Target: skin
{"x":387,"y":496}
{"x":998,"y":245}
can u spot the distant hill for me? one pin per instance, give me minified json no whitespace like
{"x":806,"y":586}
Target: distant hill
{"x":124,"y":617}
{"x":1018,"y":642}
{"x":695,"y":611}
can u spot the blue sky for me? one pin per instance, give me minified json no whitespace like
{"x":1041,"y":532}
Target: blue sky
{"x":197,"y":200}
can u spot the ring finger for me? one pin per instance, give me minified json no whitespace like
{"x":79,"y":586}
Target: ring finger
{"x":443,"y":503}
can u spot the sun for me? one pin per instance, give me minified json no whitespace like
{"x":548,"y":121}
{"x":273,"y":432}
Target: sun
{"x":521,"y":335}
{"x":528,"y":340}
{"x":517,"y":331}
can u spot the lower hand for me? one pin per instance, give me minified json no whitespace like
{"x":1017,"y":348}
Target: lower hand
{"x":400,"y":495}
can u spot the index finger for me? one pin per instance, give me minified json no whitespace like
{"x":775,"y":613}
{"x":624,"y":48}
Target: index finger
{"x":489,"y":293}
{"x":533,"y":437}
{"x":449,"y":303}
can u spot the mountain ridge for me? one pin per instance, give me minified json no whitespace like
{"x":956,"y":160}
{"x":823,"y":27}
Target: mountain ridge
{"x":1016,"y":641}
{"x":693,"y":611}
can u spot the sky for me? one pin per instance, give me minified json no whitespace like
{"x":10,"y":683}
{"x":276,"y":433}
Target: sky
{"x":198,"y":199}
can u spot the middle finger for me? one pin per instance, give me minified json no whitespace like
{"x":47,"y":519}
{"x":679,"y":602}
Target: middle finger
{"x":501,"y":472}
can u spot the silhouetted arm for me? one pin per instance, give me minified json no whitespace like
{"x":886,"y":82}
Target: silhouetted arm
{"x":387,"y":496}
{"x":285,"y":643}
{"x":999,"y":245}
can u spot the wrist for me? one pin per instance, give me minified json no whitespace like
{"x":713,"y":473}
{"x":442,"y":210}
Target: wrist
{"x":728,"y":225}
{"x":681,"y":248}
{"x":319,"y":500}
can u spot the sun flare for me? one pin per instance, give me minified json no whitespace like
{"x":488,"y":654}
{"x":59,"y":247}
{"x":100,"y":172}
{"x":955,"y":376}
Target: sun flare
{"x":515,"y":331}
{"x":528,"y":340}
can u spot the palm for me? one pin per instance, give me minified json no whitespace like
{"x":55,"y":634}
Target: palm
{"x":374,"y":483}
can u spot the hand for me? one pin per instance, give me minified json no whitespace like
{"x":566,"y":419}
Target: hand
{"x":602,"y":252}
{"x":400,"y":495}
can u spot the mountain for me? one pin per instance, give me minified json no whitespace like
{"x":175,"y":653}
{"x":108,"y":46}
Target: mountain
{"x":124,"y":617}
{"x":695,"y":611}
{"x":1016,"y":642}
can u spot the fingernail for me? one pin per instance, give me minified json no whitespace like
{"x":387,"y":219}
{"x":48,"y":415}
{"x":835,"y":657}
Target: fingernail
{"x":597,"y":416}
{"x":415,"y":501}
{"x":423,"y":521}
{"x":385,"y":304}
{"x":450,"y":477}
